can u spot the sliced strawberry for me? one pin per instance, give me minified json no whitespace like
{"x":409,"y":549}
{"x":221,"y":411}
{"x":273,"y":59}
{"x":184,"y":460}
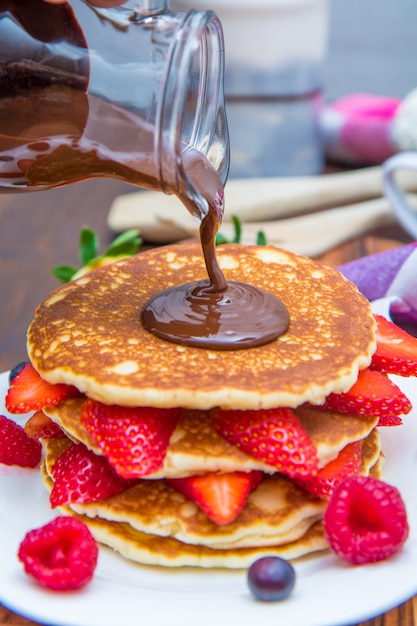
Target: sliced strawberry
{"x":220,"y":496}
{"x":134,"y":440}
{"x":396,"y":351}
{"x":81,"y":476}
{"x":274,"y":436}
{"x":40,"y":426}
{"x":16,"y":448}
{"x":372,"y":394}
{"x":29,"y":392}
{"x":390,"y":420}
{"x":347,"y":463}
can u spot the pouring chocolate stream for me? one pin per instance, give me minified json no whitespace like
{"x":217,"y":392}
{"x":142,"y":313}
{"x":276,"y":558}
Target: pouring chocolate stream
{"x":216,"y":314}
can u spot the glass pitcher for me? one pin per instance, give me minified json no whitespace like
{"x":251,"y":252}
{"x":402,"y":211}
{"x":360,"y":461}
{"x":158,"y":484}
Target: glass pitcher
{"x":133,"y":92}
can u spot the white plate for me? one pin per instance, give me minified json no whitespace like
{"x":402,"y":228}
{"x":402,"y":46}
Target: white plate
{"x":327,"y":593}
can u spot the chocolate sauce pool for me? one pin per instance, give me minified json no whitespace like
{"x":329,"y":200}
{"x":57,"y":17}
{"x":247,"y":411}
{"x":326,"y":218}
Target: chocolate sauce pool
{"x":52,"y":132}
{"x":216,"y":314}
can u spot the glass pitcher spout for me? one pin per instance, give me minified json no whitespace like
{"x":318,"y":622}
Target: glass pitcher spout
{"x":192,"y":119}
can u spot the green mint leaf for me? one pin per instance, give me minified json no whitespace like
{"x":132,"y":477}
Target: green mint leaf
{"x":221,"y":239}
{"x":64,"y":273}
{"x":261,"y":238}
{"x":238,"y":229}
{"x":237,"y":224}
{"x":88,"y":245}
{"x":127,"y":243}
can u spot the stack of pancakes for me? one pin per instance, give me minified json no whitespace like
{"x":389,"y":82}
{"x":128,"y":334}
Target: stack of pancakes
{"x":88,"y":334}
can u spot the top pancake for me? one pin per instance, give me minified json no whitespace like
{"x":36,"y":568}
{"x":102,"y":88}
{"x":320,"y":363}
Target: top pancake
{"x":88,"y":333}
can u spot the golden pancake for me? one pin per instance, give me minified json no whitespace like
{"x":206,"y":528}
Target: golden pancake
{"x":155,"y":550}
{"x":88,"y":333}
{"x":195,"y":447}
{"x":148,"y":549}
{"x":276,"y":512}
{"x":372,"y":457}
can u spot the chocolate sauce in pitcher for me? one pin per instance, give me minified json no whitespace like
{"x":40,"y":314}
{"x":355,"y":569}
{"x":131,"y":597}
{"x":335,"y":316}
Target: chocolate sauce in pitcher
{"x":56,"y":127}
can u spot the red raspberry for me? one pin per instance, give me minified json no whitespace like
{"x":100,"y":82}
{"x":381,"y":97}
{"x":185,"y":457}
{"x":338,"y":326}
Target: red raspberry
{"x":62,"y":555}
{"x":16,"y":447}
{"x":365,"y":520}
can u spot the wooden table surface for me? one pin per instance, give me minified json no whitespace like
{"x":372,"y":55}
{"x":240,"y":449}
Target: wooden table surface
{"x":40,"y":230}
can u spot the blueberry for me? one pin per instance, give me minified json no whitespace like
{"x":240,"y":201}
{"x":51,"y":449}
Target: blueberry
{"x":15,"y":371}
{"x":271,"y":578}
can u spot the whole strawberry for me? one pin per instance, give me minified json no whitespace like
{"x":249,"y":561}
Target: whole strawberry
{"x":16,"y":447}
{"x":62,"y":555}
{"x":365,"y":520}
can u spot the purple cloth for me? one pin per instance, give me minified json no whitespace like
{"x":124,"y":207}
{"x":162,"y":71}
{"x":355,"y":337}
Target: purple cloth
{"x":389,"y":281}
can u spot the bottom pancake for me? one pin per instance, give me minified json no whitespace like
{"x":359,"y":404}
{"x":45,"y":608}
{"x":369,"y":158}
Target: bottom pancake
{"x":149,"y":549}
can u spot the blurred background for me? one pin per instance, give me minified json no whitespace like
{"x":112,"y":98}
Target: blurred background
{"x":371,"y":51}
{"x":372,"y":47}
{"x":286,"y":58}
